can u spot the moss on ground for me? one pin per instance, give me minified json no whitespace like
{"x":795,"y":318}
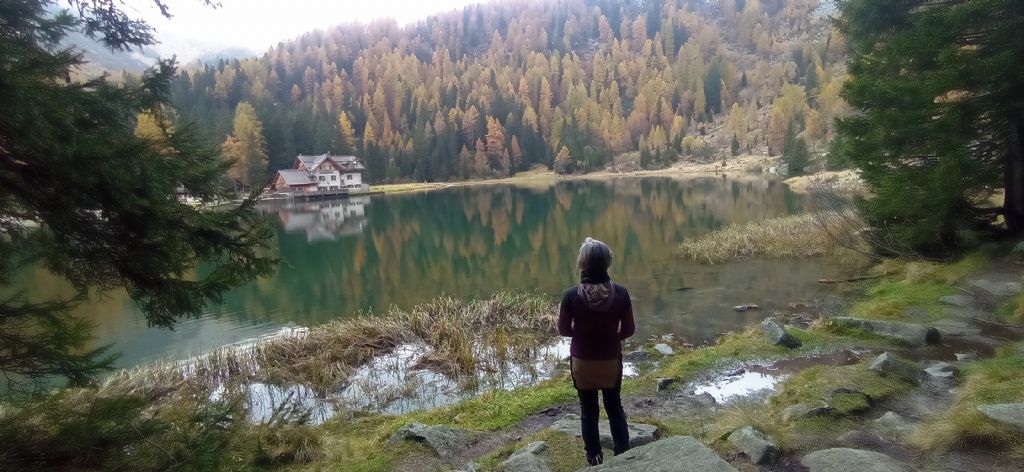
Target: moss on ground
{"x":1013,"y":310}
{"x":917,"y":285}
{"x":564,"y":452}
{"x":988,"y":381}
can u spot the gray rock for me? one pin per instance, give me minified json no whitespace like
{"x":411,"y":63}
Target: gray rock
{"x":960,"y":301}
{"x":805,"y":410}
{"x":1007,"y":413}
{"x":888,"y":365}
{"x":956,"y":328}
{"x":907,"y":333}
{"x":943,"y":370}
{"x":999,"y":289}
{"x":664,"y":349}
{"x":892,"y":425}
{"x":776,"y":334}
{"x":639,"y":433}
{"x":638,"y":355}
{"x":755,"y":445}
{"x":528,"y":459}
{"x":1018,"y":249}
{"x":444,"y":441}
{"x":665,"y":382}
{"x":843,"y":459}
{"x":966,"y":356}
{"x":673,"y":454}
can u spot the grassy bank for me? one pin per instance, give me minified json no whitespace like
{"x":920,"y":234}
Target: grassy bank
{"x":791,"y":236}
{"x":193,"y":415}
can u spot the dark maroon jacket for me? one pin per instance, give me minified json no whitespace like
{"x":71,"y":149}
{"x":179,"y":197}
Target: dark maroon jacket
{"x":597,"y":329}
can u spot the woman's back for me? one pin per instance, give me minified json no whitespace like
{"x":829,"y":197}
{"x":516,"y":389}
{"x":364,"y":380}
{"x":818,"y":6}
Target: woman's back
{"x":596,"y":324}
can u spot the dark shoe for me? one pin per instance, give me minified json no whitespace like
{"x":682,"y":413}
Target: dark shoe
{"x":621,"y":450}
{"x":596,"y":459}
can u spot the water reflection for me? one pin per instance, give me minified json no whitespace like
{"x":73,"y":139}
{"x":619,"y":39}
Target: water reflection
{"x":347,"y":256}
{"x":321,"y":220}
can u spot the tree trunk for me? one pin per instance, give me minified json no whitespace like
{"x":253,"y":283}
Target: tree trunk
{"x":1013,"y":204}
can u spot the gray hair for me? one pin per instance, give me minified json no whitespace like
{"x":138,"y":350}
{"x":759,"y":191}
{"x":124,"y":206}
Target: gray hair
{"x":594,"y":255}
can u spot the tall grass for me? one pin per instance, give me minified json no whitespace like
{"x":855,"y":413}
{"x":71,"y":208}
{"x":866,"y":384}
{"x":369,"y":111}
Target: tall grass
{"x":324,"y":356}
{"x":791,"y":236}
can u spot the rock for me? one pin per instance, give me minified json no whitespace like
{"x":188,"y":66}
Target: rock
{"x":664,"y":349}
{"x":1018,"y":249}
{"x":843,"y":459}
{"x":956,"y":328}
{"x":444,"y":441}
{"x":959,"y":301}
{"x":943,"y":370}
{"x":665,"y":382}
{"x":528,"y":459}
{"x":639,"y":433}
{"x":894,"y":426}
{"x":1007,"y":413}
{"x":638,"y":355}
{"x":805,"y":410}
{"x":999,"y":289}
{"x":966,"y":356}
{"x":777,"y":335}
{"x":754,"y":444}
{"x":888,"y":365}
{"x":673,"y":454}
{"x":742,"y":308}
{"x":908,"y":333}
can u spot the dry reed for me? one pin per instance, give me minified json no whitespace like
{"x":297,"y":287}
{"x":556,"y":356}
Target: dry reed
{"x":791,"y":236}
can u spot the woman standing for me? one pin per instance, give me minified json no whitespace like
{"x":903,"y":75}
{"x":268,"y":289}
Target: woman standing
{"x":597,"y":314}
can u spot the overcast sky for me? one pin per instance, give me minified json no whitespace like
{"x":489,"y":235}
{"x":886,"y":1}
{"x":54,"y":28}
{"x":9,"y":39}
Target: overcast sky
{"x":259,"y":24}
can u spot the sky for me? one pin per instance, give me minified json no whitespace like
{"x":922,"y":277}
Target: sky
{"x":259,"y":24}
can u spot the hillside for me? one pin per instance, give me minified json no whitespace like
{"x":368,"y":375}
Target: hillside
{"x":502,"y":86}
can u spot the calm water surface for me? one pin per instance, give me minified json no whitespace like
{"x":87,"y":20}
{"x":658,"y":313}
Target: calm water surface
{"x":369,"y":253}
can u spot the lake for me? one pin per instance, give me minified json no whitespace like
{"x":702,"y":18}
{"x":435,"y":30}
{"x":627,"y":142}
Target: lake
{"x":369,"y":253}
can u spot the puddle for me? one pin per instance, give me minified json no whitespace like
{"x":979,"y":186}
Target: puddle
{"x":752,"y":378}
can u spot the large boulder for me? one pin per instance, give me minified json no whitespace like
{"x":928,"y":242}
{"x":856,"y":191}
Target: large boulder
{"x":639,"y":433}
{"x":907,"y":333}
{"x":776,"y":334}
{"x":887,"y":365}
{"x":673,"y":454}
{"x":444,"y":441}
{"x":1007,"y":413}
{"x":843,"y":459}
{"x":960,"y":301}
{"x":755,"y":445}
{"x":528,"y":459}
{"x":999,"y":289}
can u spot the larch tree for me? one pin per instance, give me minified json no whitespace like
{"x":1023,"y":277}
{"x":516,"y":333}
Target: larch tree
{"x":563,"y":162}
{"x":348,"y":134}
{"x":939,"y":87}
{"x":246,"y":148}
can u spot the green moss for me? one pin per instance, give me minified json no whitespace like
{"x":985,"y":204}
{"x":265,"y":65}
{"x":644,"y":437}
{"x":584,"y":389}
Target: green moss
{"x":847,"y":403}
{"x":499,"y":409}
{"x":564,"y":452}
{"x":815,"y":383}
{"x":1013,"y":310}
{"x":914,"y":284}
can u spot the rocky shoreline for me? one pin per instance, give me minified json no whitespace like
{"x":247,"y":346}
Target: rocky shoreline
{"x":862,"y":400}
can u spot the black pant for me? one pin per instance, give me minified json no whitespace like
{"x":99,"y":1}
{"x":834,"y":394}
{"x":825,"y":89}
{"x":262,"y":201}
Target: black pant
{"x":590,"y":415}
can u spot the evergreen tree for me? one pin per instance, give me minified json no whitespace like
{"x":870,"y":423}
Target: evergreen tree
{"x":794,"y":152}
{"x":940,"y":89}
{"x":95,"y":204}
{"x":734,"y":147}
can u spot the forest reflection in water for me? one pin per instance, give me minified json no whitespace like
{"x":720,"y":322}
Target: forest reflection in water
{"x":369,"y":253}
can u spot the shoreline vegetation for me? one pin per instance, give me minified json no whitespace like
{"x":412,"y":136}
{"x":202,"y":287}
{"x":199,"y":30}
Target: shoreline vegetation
{"x":541,"y":174}
{"x":807,"y":235}
{"x":171,"y":397}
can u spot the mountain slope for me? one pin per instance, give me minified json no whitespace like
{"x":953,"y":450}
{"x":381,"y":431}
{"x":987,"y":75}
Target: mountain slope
{"x":499,"y":87}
